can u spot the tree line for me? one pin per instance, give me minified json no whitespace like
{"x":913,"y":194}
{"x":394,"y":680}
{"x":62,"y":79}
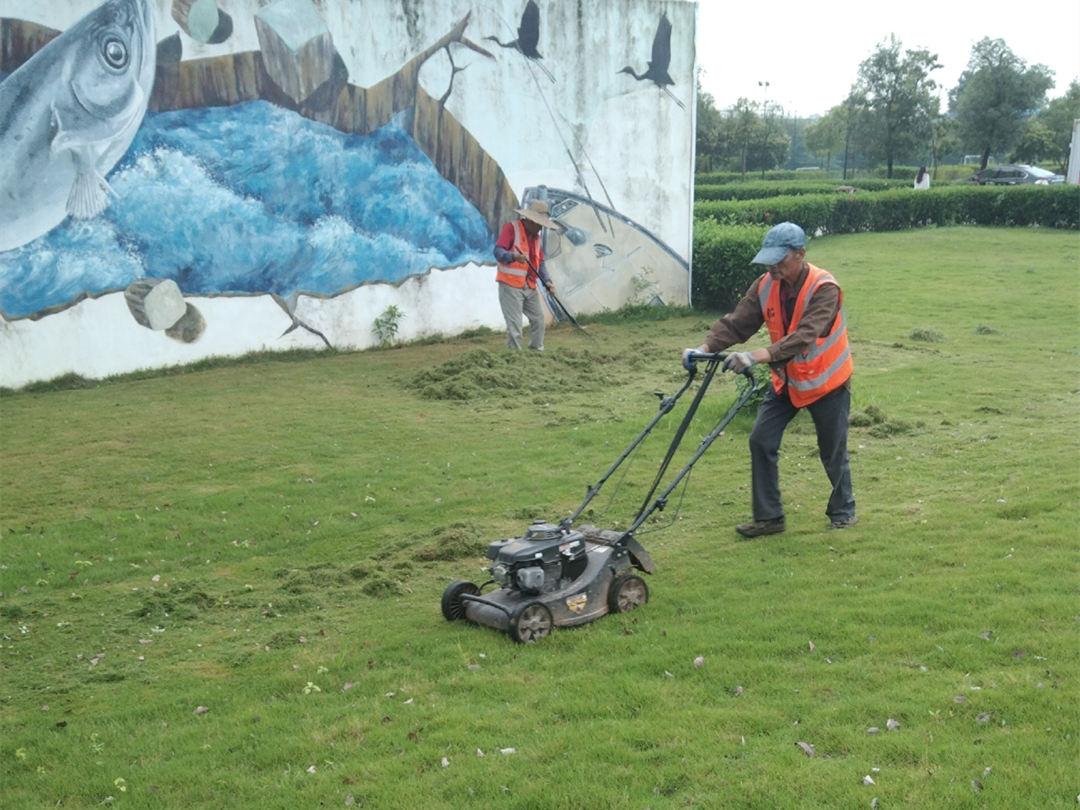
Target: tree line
{"x":891,"y":116}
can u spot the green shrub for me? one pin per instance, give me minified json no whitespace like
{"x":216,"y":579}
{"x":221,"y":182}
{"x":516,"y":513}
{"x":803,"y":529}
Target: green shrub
{"x":760,"y":190}
{"x":722,"y":269}
{"x":811,"y":211}
{"x":756,"y":190}
{"x":898,"y":209}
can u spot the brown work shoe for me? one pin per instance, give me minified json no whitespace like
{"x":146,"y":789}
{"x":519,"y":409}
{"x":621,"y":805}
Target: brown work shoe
{"x":761,"y":527}
{"x":845,"y":522}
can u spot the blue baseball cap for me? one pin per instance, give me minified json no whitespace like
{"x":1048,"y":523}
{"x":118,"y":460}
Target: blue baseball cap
{"x":779,"y":239}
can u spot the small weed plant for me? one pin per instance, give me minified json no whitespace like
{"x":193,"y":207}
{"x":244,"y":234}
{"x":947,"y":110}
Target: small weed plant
{"x":386,"y":325}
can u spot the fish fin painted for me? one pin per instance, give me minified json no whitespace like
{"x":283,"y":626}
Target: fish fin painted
{"x":89,"y":195}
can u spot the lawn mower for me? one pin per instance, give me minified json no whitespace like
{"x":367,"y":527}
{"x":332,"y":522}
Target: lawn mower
{"x":561,"y":574}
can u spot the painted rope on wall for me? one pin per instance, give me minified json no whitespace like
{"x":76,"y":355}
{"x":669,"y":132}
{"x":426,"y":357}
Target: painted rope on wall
{"x":188,"y":158}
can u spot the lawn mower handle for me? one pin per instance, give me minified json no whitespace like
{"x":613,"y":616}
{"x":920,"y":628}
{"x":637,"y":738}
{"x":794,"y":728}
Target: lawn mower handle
{"x":705,"y":357}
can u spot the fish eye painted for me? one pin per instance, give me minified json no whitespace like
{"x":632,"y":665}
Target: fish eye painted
{"x":115,"y":52}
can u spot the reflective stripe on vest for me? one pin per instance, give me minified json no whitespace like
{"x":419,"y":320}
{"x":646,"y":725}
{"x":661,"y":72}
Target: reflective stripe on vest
{"x":516,"y":274}
{"x":827,"y":364}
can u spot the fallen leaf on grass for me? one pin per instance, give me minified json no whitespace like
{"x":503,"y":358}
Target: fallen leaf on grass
{"x":811,"y":645}
{"x":807,"y":748}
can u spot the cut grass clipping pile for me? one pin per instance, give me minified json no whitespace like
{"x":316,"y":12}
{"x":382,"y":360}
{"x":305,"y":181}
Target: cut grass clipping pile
{"x":221,"y":588}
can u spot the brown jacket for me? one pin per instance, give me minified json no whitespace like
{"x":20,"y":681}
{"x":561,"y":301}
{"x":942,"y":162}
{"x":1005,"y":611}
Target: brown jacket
{"x":746,"y":319}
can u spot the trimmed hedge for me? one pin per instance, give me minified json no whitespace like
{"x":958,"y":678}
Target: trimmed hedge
{"x":759,"y":190}
{"x":822,"y":176}
{"x":722,"y":269}
{"x":1055,"y":206}
{"x":727,"y":234}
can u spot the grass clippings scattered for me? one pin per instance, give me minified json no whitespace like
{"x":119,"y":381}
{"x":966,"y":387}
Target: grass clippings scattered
{"x":927,"y":335}
{"x":484,"y":374}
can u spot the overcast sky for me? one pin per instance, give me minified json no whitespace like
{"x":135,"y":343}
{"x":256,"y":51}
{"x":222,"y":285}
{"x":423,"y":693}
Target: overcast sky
{"x":810,"y":52}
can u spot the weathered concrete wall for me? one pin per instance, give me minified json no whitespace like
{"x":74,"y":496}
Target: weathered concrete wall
{"x":506,"y":99}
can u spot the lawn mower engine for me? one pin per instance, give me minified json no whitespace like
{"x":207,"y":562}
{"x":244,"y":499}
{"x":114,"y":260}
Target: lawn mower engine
{"x":552,"y":576}
{"x":546,"y":559}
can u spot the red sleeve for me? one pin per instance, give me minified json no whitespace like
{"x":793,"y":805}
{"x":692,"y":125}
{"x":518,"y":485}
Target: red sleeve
{"x":506,"y":237}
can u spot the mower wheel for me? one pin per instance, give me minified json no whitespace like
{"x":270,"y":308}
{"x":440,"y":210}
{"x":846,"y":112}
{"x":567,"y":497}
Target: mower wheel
{"x":530,"y":622}
{"x":453,"y":608}
{"x":627,"y":592}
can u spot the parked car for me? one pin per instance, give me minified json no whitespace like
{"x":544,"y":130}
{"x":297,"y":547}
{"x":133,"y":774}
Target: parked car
{"x":1016,"y":175}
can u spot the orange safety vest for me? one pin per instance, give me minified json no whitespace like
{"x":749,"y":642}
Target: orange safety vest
{"x":517,"y":274}
{"x":827,"y":365}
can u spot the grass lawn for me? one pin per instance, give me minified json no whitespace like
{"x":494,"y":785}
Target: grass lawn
{"x":221,"y":588}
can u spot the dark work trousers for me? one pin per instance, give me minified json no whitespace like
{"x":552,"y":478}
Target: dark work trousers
{"x":830,"y":415}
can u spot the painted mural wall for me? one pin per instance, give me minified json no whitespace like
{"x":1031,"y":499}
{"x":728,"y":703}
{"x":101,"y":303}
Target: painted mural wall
{"x":182,"y":179}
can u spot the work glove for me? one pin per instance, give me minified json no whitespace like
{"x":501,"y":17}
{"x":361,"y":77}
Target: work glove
{"x":738,"y":362}
{"x":687,"y":363}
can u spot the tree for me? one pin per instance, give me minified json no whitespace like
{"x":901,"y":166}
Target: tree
{"x":825,"y":137}
{"x":899,"y":100}
{"x":943,"y":140}
{"x":994,"y":97}
{"x":1036,"y":143}
{"x":740,"y":126}
{"x":1057,"y":117}
{"x":708,"y":133}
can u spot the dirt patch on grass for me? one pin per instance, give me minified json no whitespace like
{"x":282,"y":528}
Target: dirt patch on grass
{"x":482,"y":374}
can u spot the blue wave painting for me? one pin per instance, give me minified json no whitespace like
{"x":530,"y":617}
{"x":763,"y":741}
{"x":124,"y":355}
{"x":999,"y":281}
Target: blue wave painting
{"x":253,"y":198}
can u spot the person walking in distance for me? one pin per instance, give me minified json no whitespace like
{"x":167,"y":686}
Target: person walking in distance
{"x":810,"y":367}
{"x":519,"y":252}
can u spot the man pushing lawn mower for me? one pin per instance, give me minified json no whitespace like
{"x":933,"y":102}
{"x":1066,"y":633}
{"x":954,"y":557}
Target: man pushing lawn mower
{"x":810,"y":364}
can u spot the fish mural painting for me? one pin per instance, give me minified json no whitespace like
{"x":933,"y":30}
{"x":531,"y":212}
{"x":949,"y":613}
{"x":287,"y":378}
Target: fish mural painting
{"x":284,"y":171}
{"x":69,"y":114}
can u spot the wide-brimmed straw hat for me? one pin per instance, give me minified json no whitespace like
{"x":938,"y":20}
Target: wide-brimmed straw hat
{"x":537,"y":211}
